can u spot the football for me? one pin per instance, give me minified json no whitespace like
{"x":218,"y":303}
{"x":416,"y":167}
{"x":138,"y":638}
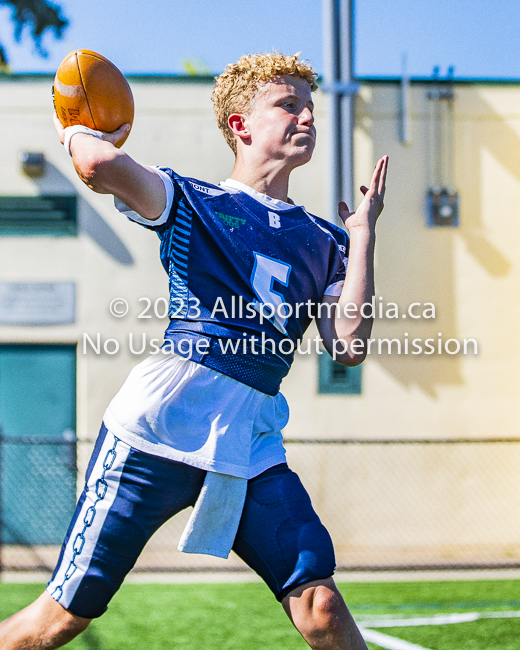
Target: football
{"x":89,"y":90}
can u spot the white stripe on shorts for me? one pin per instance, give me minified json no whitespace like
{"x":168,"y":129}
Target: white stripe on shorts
{"x":103,"y":485}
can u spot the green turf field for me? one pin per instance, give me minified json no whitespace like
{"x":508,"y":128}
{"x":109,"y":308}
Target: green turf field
{"x":246,"y":616}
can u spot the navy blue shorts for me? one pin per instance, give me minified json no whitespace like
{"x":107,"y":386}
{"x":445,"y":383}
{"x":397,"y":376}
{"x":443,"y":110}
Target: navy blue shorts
{"x":130,"y":494}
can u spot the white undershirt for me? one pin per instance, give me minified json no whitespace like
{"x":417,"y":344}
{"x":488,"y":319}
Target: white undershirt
{"x":172,"y":407}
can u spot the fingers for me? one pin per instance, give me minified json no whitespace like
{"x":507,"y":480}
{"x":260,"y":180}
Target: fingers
{"x":378,"y":181}
{"x":121,"y":131}
{"x":382,"y":177}
{"x":59,"y":127}
{"x":116,"y":136}
{"x":376,"y":175}
{"x":343,"y":211}
{"x":363,"y":189}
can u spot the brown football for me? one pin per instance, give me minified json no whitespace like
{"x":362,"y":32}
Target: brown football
{"x":89,"y":90}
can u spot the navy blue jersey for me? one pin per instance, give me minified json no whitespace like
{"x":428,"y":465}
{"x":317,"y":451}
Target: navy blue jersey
{"x":246,"y":276}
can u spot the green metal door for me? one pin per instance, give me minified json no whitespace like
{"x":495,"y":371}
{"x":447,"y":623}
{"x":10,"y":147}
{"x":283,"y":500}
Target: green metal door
{"x":37,"y":443}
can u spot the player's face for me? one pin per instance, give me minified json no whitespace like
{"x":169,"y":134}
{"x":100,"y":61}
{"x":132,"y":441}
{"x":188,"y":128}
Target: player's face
{"x":281,"y":122}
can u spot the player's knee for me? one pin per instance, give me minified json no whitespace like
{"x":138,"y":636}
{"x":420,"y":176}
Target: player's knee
{"x":327,"y":607}
{"x":316,"y":610}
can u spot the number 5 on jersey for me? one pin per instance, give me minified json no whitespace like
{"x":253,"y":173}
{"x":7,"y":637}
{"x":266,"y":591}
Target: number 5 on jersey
{"x":265,"y":271}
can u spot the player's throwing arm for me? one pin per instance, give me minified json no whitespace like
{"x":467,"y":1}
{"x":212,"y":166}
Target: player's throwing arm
{"x":94,"y":115}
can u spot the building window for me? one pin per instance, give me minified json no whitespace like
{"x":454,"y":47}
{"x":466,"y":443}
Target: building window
{"x":335,"y":378}
{"x":38,"y":215}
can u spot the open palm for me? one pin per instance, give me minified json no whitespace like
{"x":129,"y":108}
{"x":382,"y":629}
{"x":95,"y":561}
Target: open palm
{"x":373,"y":200}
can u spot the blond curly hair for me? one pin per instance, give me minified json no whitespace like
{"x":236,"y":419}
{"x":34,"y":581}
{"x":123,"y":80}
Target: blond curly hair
{"x":236,"y":88}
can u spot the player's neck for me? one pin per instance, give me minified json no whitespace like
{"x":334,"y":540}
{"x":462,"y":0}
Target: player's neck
{"x":263,"y":178}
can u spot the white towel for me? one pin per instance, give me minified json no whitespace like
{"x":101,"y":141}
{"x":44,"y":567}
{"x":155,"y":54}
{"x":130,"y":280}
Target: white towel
{"x":213,"y":524}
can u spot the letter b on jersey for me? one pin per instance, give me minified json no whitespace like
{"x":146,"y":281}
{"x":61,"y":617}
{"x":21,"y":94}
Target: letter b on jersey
{"x":274,"y":220}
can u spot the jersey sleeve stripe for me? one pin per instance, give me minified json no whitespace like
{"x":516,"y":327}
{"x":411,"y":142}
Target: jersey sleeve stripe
{"x":183,"y":239}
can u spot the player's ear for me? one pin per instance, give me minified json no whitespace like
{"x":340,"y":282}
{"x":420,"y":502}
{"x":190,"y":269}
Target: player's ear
{"x":237,"y":122}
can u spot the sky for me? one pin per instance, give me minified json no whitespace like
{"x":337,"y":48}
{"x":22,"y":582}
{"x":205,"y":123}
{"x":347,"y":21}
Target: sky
{"x":480,"y":38}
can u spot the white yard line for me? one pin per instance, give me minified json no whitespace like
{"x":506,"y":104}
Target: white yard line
{"x":393,"y":643}
{"x":388,"y":642}
{"x":437,"y":619}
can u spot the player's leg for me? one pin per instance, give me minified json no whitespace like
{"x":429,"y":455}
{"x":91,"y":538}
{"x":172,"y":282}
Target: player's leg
{"x":128,"y":496}
{"x":318,"y":611}
{"x":281,"y":537}
{"x":43,"y":624}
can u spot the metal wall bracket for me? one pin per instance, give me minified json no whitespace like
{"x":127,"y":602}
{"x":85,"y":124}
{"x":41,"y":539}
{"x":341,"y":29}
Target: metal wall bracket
{"x":442,"y":207}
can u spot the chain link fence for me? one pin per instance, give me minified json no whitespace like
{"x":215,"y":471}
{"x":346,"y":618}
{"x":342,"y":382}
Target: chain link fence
{"x":395,"y":504}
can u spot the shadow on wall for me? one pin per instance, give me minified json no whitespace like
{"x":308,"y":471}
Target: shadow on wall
{"x":90,"y":221}
{"x":502,"y":142}
{"x":416,"y":263}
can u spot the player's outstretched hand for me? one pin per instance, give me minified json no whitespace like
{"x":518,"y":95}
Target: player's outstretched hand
{"x":108,"y":137}
{"x":373,"y":201}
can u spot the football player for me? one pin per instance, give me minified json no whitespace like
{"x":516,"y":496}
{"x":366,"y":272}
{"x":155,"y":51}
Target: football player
{"x":248,"y":270}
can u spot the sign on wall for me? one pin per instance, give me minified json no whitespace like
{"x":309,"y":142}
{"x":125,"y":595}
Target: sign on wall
{"x":37,"y":303}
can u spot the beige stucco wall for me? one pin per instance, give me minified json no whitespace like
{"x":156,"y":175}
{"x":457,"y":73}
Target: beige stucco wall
{"x":471,"y":274}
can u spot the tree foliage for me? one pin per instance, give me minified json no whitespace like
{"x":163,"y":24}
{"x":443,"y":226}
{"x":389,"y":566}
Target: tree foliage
{"x":195,"y":67}
{"x":39,"y":16}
